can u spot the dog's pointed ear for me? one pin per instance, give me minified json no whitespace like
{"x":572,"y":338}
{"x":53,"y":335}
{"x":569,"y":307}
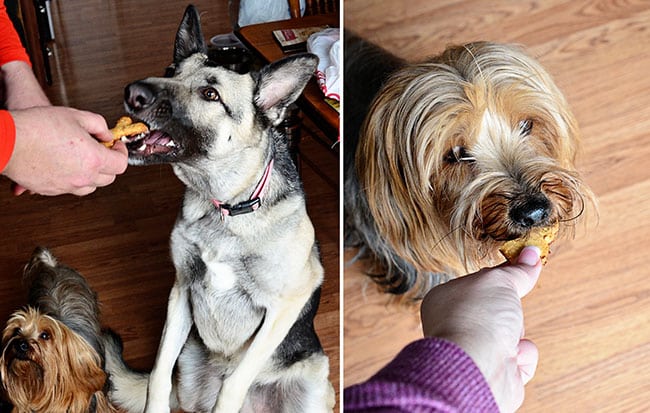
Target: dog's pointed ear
{"x":189,"y":38}
{"x":281,"y":83}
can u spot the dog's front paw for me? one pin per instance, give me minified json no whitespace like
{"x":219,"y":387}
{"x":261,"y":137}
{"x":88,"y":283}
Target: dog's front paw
{"x":226,"y":407}
{"x":156,"y":407}
{"x":229,"y":401}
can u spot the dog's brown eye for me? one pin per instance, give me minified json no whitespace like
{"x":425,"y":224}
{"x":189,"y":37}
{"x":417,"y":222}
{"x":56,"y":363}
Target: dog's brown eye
{"x":44,"y":335}
{"x":210,"y":94}
{"x":526,"y":126}
{"x":458,"y":154}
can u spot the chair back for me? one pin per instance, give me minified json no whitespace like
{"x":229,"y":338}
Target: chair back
{"x":313,"y":7}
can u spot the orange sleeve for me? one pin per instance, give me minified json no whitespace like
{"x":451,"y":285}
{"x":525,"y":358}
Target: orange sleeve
{"x":7,"y":138}
{"x":10,"y":46}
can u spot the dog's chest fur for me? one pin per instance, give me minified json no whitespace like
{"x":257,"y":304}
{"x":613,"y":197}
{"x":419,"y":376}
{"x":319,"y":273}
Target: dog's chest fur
{"x":239,"y":266}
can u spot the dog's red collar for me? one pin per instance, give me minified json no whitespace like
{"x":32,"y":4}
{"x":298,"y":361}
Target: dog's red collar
{"x":253,"y":202}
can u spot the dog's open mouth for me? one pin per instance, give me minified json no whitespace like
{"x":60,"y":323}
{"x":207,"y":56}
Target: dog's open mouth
{"x":149,"y":143}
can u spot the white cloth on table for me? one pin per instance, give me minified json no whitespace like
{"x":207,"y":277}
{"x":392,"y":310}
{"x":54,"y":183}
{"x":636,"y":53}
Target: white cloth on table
{"x":326,"y":45}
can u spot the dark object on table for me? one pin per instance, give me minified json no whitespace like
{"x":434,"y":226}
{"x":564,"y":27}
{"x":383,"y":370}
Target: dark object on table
{"x":234,"y":58}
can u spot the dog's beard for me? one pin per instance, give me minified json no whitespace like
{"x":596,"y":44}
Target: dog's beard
{"x":45,"y":366}
{"x":23,"y":381}
{"x":482,"y":215}
{"x":459,"y":154}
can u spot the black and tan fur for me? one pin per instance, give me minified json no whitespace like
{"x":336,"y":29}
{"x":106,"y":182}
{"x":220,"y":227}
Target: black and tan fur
{"x":449,"y":157}
{"x":52,"y":350}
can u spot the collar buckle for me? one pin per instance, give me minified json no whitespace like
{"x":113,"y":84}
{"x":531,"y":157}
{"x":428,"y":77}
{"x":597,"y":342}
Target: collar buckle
{"x":252,"y":204}
{"x":240,"y":208}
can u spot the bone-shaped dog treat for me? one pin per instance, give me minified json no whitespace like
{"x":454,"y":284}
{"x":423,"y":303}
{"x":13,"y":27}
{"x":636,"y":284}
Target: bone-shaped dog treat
{"x":125,"y":127}
{"x":541,"y":237}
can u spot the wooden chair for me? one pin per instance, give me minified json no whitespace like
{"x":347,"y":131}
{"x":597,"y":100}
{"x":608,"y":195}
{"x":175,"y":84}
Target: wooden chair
{"x":259,"y":39}
{"x":313,"y":7}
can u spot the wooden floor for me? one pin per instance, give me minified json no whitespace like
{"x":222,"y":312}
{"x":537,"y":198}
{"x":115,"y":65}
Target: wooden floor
{"x":590,"y":312}
{"x":118,"y":236}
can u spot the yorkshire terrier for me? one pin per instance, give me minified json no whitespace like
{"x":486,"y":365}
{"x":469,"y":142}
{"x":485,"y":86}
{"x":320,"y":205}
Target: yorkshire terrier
{"x":448,"y":158}
{"x":52,"y":351}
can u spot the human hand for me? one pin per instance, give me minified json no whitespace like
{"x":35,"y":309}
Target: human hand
{"x":482,"y":313}
{"x":57,"y":152}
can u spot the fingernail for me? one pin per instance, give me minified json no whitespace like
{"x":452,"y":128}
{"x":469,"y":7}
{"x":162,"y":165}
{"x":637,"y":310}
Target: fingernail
{"x":529,"y":256}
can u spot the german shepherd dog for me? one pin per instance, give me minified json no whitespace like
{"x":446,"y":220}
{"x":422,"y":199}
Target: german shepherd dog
{"x":239,"y":333}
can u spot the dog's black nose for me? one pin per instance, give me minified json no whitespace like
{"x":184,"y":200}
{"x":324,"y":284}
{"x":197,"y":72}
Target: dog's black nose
{"x":534,"y":210}
{"x":138,"y":95}
{"x":21,"y":346}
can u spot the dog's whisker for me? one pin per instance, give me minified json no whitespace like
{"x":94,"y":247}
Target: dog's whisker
{"x":580,"y":212}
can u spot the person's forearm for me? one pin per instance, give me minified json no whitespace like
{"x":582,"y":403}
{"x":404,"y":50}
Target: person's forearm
{"x":21,"y":88}
{"x":432,"y":375}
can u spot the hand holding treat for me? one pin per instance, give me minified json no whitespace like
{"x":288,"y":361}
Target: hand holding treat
{"x":125,"y":128}
{"x":56,"y":152}
{"x":541,"y":237}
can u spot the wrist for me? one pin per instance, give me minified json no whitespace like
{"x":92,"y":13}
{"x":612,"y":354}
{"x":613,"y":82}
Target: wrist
{"x":22,"y":89}
{"x":7,"y":138}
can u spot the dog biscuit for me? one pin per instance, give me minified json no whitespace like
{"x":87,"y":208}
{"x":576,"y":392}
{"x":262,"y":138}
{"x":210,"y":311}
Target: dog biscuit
{"x":539,"y":237}
{"x":125,"y":127}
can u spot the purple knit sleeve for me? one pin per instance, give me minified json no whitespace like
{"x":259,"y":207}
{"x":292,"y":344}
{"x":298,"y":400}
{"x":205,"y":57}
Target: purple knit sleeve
{"x":428,"y":375}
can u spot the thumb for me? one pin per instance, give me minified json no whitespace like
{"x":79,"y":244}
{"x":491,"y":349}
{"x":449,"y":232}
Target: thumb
{"x":527,"y":358}
{"x":531,"y":266}
{"x":115,"y":159}
{"x":94,"y":124}
{"x":18,"y":189}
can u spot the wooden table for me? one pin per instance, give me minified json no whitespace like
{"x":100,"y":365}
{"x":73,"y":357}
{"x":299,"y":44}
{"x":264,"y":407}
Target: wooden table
{"x":259,"y":38}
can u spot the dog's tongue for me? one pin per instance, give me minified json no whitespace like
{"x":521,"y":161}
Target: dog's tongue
{"x":157,"y":142}
{"x":157,"y":137}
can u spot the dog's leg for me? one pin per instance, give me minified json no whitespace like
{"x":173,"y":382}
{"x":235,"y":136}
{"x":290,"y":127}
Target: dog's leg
{"x":313,"y":393}
{"x":320,"y":396}
{"x":276,"y":325}
{"x":175,"y":333}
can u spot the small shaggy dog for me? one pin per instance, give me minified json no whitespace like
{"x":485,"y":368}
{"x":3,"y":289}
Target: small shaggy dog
{"x":450,"y":157}
{"x":51,"y":349}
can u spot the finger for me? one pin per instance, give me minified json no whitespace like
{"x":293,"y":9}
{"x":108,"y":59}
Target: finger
{"x":115,"y":160}
{"x":527,"y":359}
{"x":104,"y":180}
{"x":85,"y":190}
{"x":99,"y":181}
{"x":531,"y":266}
{"x":18,"y":189}
{"x":120,"y":147}
{"x":95,"y":125}
{"x":529,"y":256}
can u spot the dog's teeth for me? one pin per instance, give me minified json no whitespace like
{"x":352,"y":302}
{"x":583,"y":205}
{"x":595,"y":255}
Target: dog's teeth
{"x":170,"y":144}
{"x":142,"y":148}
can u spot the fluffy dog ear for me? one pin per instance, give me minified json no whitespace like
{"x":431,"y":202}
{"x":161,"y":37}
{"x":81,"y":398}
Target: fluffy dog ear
{"x":81,"y":367}
{"x":280,"y":83}
{"x":189,"y":38}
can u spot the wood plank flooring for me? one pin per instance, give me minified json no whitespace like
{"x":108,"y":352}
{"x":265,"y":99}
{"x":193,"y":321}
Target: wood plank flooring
{"x":118,"y":236}
{"x":590,"y":312}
